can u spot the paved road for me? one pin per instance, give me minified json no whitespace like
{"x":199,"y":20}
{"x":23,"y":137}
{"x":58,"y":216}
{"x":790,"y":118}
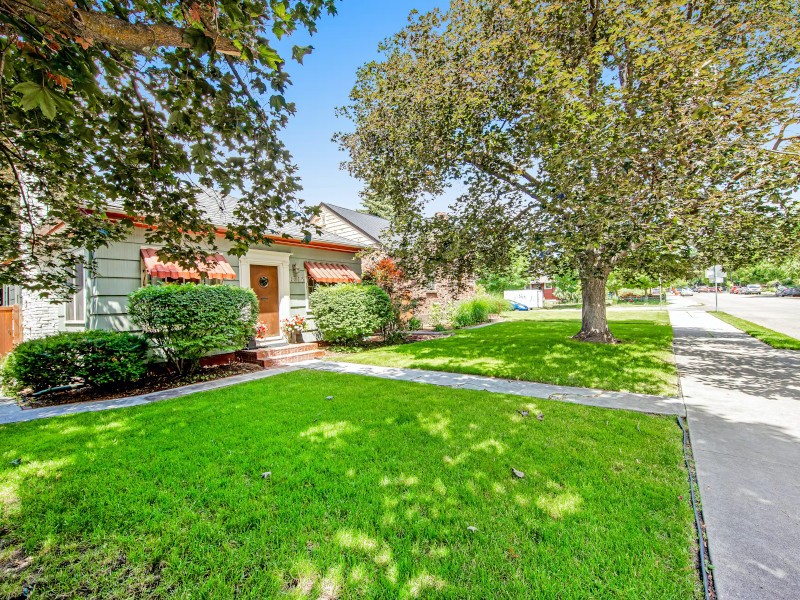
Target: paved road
{"x":743,"y":408}
{"x":780,"y":314}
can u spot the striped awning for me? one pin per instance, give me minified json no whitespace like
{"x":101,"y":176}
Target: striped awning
{"x":214,"y":267}
{"x":331,"y":273}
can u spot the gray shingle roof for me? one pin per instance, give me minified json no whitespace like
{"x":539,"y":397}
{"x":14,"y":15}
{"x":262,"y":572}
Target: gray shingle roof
{"x":220,"y":209}
{"x":374,"y":227}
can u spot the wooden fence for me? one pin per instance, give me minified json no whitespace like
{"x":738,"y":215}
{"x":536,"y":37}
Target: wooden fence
{"x":10,"y":328}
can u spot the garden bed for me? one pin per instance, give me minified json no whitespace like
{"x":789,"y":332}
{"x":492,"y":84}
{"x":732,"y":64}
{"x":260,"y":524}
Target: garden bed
{"x":158,"y":379}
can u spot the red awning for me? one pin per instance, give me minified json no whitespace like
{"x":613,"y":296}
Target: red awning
{"x":331,"y":273}
{"x":215,"y":267}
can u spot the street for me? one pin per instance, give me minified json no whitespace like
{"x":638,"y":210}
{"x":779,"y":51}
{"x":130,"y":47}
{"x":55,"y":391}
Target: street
{"x":780,"y":314}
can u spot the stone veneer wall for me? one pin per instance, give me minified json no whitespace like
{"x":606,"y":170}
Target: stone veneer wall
{"x":39,"y":317}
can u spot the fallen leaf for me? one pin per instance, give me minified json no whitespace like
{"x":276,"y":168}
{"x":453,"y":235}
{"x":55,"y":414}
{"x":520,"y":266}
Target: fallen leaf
{"x":511,"y":553}
{"x":516,"y":473}
{"x":266,"y":475}
{"x":328,"y":397}
{"x":16,"y":461}
{"x":524,"y":413}
{"x":471,"y":528}
{"x":540,"y":416}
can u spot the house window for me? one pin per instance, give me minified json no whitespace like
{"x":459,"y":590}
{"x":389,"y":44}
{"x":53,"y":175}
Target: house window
{"x":548,"y":286}
{"x":76,"y":306}
{"x":10,"y":295}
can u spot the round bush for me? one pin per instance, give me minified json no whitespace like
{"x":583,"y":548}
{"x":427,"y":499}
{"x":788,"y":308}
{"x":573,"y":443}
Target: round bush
{"x":347,"y":312}
{"x":186,"y":322}
{"x":98,"y":358}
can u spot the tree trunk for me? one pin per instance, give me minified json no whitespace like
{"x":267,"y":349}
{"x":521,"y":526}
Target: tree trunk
{"x":594,"y":325}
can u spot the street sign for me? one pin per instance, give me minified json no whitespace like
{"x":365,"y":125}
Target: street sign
{"x":717,"y":273}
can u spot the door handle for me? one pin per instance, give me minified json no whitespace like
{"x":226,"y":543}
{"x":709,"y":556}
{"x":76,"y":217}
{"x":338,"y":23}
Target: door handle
{"x":264,"y":298}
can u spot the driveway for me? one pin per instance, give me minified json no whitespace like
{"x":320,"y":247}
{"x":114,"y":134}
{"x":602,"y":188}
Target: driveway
{"x":780,"y":314}
{"x":743,"y":409}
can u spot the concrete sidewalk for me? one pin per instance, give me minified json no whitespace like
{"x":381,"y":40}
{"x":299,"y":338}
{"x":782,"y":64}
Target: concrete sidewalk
{"x":661,"y":405}
{"x":10,"y":412}
{"x":743,"y":407}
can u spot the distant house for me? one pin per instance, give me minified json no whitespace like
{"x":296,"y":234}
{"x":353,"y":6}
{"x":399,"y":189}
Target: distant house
{"x":546,"y":285}
{"x":282,"y":275}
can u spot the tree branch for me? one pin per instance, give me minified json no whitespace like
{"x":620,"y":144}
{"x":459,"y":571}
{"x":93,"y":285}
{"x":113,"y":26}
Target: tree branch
{"x":99,"y":26}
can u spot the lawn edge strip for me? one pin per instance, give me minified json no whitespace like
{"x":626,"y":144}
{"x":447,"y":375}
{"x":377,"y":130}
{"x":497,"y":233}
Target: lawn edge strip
{"x":776,"y":339}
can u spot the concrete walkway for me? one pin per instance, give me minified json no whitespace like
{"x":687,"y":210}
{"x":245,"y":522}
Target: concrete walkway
{"x":10,"y":412}
{"x":587,"y":396}
{"x":743,"y":406}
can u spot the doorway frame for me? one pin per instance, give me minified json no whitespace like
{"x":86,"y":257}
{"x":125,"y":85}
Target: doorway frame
{"x":269,"y":258}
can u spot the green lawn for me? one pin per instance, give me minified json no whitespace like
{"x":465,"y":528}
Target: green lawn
{"x":536,"y":346}
{"x":768,"y":336}
{"x":370,"y":496}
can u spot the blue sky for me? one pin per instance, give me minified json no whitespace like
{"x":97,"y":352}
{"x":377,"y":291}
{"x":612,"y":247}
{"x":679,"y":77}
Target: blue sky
{"x":341,"y":44}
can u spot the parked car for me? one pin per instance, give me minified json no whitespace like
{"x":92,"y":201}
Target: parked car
{"x":754,"y":288}
{"x":687,"y":292}
{"x":703,"y":288}
{"x":789,"y":291}
{"x":518,"y":306}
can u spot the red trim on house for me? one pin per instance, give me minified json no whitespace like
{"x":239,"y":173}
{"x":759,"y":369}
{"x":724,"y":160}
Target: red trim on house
{"x":221,"y":231}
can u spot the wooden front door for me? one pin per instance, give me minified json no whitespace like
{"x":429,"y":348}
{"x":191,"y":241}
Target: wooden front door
{"x":264,"y":281}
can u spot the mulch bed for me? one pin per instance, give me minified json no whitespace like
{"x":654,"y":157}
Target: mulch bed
{"x":155,"y":381}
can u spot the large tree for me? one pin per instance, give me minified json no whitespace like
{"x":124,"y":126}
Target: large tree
{"x":592,"y":133}
{"x":130,"y":105}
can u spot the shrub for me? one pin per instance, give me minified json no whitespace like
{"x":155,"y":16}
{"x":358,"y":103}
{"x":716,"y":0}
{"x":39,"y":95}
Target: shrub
{"x":414,"y":324}
{"x":186,"y":322}
{"x":441,"y":315}
{"x":475,"y":310}
{"x":346,"y":312}
{"x":98,"y":358}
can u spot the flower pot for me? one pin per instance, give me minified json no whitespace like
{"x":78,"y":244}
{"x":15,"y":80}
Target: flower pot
{"x":296,"y":337}
{"x":252,"y":344}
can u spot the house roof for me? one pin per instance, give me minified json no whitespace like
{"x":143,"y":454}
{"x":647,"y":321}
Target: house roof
{"x":373,"y":227}
{"x":220,"y":211}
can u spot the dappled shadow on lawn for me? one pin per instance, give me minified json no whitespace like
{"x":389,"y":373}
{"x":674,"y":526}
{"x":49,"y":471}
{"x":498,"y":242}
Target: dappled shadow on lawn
{"x":543,"y":351}
{"x":370,"y":488}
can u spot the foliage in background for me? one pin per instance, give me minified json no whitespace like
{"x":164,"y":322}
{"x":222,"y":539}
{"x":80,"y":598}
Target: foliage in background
{"x":786,"y":272}
{"x":593,"y":135}
{"x":347,"y":312}
{"x":186,"y":322}
{"x":375,"y":205}
{"x":97,"y":358}
{"x":131,"y":104}
{"x":514,"y":275}
{"x":567,"y":287}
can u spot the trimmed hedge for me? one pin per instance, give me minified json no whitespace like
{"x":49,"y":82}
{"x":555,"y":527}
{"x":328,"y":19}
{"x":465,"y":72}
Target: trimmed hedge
{"x":347,"y":312}
{"x":98,"y":358}
{"x":186,"y":322}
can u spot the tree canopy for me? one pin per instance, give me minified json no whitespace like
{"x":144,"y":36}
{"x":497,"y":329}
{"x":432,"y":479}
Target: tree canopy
{"x":130,"y":105}
{"x":593,"y":134}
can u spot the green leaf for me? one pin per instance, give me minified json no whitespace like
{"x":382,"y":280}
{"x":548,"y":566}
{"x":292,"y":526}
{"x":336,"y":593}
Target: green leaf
{"x":277,"y":102}
{"x":298,"y":52}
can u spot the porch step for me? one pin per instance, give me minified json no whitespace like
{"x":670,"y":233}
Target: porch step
{"x":280,"y":355}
